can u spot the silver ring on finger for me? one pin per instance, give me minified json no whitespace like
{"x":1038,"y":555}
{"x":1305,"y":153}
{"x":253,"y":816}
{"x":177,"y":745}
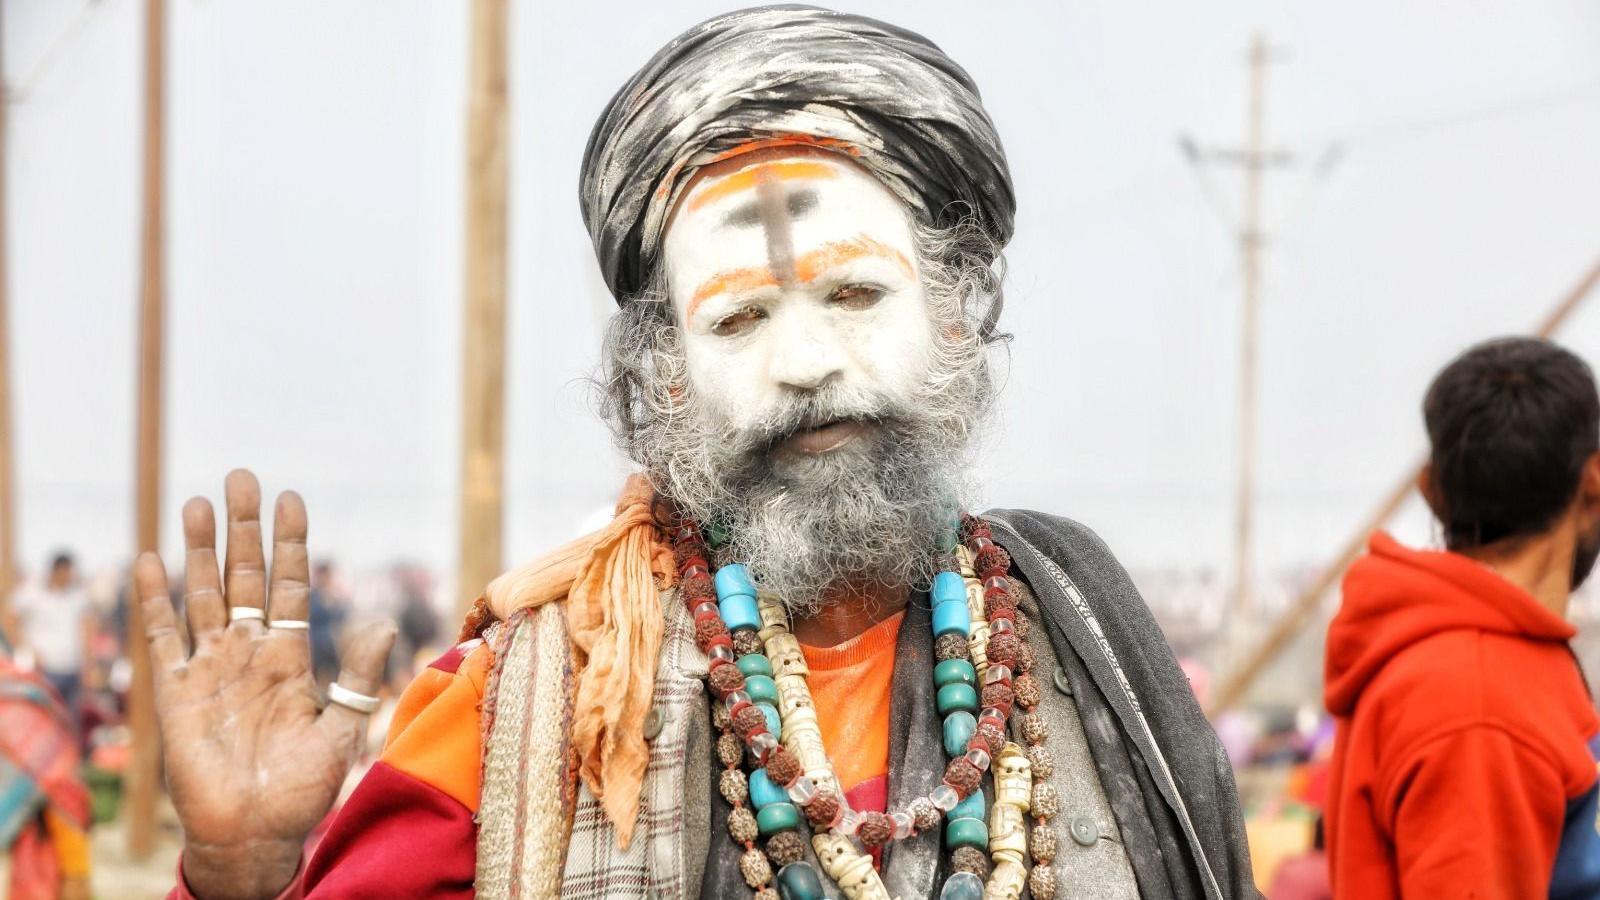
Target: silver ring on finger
{"x":240,"y":613}
{"x":366,"y":704}
{"x":290,"y":624}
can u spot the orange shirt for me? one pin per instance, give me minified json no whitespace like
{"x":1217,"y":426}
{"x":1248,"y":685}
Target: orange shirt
{"x":851,"y":685}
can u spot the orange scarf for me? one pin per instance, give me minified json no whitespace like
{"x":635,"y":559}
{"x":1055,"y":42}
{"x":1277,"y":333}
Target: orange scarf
{"x":611,"y":580}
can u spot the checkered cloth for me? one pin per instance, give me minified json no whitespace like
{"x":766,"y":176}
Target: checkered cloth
{"x":654,"y":864}
{"x":525,"y":814}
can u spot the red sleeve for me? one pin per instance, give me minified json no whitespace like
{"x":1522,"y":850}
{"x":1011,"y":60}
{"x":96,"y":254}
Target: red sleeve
{"x":395,"y":837}
{"x":407,"y":829}
{"x":1476,"y":813}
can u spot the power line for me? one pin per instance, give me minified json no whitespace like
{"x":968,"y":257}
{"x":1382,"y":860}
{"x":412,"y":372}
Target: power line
{"x":1394,"y":130}
{"x":52,"y":53}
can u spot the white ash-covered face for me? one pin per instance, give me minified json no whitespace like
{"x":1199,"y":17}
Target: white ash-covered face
{"x":816,"y":383}
{"x":794,"y":272}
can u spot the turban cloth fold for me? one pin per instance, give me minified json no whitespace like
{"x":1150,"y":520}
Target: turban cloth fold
{"x":885,"y":96}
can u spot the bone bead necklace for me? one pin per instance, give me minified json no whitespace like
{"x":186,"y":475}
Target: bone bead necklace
{"x":758,"y":674}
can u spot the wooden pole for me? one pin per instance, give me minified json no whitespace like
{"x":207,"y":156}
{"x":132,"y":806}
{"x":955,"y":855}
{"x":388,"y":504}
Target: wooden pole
{"x":8,"y":511}
{"x":484,"y":321}
{"x":144,"y":765}
{"x":1286,"y":628}
{"x":1250,"y":251}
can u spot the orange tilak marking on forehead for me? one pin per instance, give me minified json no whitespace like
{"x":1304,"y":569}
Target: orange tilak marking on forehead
{"x":789,"y":140}
{"x":788,"y":170}
{"x":837,"y":253}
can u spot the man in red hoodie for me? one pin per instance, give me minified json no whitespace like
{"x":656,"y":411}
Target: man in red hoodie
{"x":1465,"y":761}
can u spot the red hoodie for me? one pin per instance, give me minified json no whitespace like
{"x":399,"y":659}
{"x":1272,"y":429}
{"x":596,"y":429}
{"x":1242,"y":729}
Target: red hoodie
{"x":1464,"y":764}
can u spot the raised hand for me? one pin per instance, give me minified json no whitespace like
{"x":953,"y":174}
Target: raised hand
{"x":253,"y":763}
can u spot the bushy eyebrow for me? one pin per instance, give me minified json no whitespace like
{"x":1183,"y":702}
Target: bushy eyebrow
{"x":807,"y":268}
{"x":836,"y":253}
{"x":733,"y":280}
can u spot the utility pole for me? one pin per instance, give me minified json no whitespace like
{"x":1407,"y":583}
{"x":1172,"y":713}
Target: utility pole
{"x":1250,"y":315}
{"x":8,"y":509}
{"x":483,"y":357}
{"x":144,"y":764}
{"x":1249,"y":233}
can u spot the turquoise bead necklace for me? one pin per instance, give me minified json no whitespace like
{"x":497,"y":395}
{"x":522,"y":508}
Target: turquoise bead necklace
{"x":974,"y":688}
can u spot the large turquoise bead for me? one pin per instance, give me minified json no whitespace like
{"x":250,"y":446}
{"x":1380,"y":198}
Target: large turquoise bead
{"x":959,"y":727}
{"x":970,"y":808}
{"x":761,"y":688}
{"x":962,"y":886}
{"x":954,"y":671}
{"x":953,"y":697}
{"x":948,"y":587}
{"x":734,"y":579}
{"x":776,"y":817}
{"x":764,"y":791}
{"x":754,"y":664}
{"x":739,"y":611}
{"x":966,"y":833}
{"x":948,"y":618}
{"x":774,"y":724}
{"x":798,"y":881}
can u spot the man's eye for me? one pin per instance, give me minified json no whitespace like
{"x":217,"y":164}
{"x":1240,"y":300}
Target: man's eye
{"x":857,"y":296}
{"x":736,"y":322}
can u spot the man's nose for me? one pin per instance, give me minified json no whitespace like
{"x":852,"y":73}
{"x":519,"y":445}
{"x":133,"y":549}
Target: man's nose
{"x":806,"y":354}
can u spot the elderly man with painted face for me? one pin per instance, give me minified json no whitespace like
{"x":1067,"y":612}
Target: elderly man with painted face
{"x":791,"y":666}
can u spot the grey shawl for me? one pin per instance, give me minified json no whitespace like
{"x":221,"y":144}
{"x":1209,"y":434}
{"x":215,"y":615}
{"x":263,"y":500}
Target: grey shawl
{"x":1161,"y":765}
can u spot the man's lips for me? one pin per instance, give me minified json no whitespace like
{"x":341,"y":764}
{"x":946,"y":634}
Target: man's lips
{"x":824,"y":438}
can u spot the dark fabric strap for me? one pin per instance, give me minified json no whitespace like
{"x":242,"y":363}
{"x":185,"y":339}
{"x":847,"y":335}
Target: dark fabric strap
{"x":1093,"y":610}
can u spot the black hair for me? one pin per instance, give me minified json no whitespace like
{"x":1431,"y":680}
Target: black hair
{"x":61,"y":558}
{"x":1511,"y":422}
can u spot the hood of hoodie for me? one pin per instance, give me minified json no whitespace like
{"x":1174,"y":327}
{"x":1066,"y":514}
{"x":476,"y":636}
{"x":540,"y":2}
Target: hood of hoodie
{"x":1396,"y":596}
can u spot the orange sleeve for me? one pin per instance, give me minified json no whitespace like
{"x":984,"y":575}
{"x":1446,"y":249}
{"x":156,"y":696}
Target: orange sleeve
{"x":434,"y":736}
{"x":1475,"y":813}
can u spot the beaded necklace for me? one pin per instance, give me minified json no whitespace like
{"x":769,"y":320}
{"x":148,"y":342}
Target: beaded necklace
{"x":758,"y":674}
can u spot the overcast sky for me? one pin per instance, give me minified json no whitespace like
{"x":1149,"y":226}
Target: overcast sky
{"x":315,"y":169}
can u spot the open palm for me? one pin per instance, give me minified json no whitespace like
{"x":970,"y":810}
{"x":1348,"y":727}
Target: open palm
{"x":253,"y":760}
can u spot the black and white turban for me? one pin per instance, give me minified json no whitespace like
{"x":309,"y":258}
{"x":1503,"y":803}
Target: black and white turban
{"x":884,"y":95}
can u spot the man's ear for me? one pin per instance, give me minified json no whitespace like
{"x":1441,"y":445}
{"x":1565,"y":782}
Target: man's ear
{"x":1589,"y":483}
{"x":1430,"y":491}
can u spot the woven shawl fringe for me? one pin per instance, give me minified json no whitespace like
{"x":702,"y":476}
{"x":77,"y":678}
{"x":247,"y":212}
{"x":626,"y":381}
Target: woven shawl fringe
{"x":529,"y":785}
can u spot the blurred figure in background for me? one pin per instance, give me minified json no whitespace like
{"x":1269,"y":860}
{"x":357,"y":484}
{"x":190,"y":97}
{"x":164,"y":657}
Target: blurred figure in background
{"x":417,"y":621}
{"x":44,"y":807}
{"x":327,"y":615}
{"x":54,"y":625}
{"x":1465,"y":758}
{"x":1304,"y":876}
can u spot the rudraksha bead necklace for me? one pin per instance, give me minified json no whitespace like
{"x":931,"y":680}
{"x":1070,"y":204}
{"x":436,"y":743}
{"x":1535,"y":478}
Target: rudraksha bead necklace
{"x":758,"y":674}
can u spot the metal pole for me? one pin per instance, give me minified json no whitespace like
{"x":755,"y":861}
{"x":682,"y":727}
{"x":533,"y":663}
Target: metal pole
{"x":484,"y":320}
